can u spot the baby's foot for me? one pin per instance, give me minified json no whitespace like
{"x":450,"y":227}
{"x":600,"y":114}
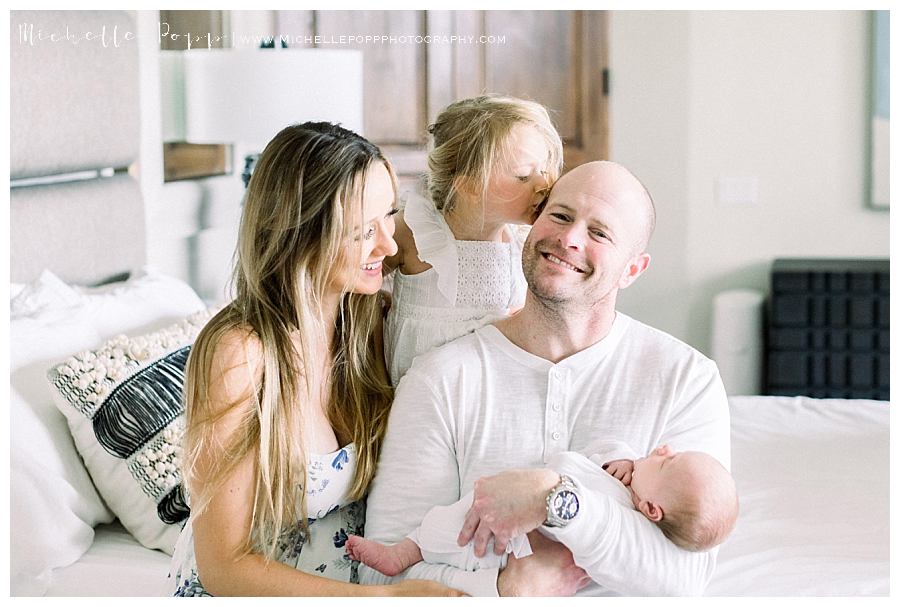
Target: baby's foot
{"x":389,"y":560}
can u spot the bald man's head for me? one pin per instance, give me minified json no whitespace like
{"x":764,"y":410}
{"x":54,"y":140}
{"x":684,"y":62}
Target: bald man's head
{"x":611,"y":180}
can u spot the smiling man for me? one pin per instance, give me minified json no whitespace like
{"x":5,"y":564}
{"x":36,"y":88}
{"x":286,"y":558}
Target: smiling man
{"x":593,"y":231}
{"x":512,"y":410}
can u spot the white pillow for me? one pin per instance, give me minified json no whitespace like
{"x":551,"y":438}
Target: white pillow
{"x":46,"y":472}
{"x":141,"y":304}
{"x":47,"y":524}
{"x":50,"y":323}
{"x":46,"y":293}
{"x":125,"y":408}
{"x":15,"y":288}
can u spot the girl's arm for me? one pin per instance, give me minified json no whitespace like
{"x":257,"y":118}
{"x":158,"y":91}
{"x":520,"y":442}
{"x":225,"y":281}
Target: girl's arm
{"x":407,"y":256}
{"x":401,"y":235}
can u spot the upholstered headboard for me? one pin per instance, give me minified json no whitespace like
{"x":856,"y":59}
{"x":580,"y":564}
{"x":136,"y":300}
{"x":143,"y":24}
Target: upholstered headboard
{"x":74,"y":131}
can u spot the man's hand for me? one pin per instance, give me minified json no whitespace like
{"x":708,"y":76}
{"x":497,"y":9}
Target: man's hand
{"x":549,"y":571}
{"x":621,"y":469}
{"x":505,"y":506}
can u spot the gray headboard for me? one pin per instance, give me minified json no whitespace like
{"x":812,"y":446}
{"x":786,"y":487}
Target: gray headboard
{"x":74,"y":108}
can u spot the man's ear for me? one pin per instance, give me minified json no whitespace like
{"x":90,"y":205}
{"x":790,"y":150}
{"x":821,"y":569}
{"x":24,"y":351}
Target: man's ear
{"x":652,"y":511}
{"x":635,"y":268}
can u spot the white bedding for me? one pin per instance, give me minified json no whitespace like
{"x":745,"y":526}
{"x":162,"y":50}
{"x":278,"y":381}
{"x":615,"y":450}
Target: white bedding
{"x":813,"y":480}
{"x":115,"y":565}
{"x":814,"y":487}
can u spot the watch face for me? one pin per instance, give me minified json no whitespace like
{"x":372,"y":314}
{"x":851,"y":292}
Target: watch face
{"x":565,"y":505}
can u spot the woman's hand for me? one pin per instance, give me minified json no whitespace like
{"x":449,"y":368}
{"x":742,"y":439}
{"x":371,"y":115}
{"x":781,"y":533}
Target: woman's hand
{"x":505,"y":506}
{"x":549,"y":571}
{"x":421,"y":588}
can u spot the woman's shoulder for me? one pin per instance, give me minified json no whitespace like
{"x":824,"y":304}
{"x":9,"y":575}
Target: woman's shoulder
{"x":226,"y":337}
{"x":230,"y":349}
{"x":226,"y":366}
{"x":239,"y":344}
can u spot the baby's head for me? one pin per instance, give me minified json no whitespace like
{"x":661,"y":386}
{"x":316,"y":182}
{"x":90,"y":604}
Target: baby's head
{"x":500,"y":150}
{"x":690,"y":495}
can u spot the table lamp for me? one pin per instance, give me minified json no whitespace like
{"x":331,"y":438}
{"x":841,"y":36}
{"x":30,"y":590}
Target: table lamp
{"x":246,"y":96}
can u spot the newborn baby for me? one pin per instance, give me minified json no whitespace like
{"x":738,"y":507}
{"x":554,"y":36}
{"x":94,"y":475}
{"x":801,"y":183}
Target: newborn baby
{"x":689,"y":495}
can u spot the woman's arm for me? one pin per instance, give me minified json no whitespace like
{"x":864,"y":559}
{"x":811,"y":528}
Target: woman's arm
{"x":220,"y":531}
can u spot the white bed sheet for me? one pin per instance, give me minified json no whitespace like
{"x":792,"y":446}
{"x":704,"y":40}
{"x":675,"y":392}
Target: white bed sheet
{"x":813,"y":479}
{"x":115,"y":565}
{"x":814,"y":485}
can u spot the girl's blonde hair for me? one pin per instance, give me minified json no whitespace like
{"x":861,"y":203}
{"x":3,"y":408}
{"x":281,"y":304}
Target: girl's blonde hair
{"x":471,"y":137}
{"x":305,"y":192}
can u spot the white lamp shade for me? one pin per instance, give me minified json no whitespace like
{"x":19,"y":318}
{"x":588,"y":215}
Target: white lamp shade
{"x":248,"y":95}
{"x":171,"y":68}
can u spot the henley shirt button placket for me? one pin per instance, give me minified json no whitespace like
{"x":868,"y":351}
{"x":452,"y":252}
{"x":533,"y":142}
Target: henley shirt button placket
{"x":556,"y":393}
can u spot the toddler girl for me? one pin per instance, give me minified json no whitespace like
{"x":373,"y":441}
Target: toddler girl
{"x":459,"y":256}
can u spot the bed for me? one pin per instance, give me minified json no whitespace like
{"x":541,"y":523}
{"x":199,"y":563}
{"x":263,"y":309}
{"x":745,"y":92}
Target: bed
{"x":814,"y":486}
{"x":812,"y":473}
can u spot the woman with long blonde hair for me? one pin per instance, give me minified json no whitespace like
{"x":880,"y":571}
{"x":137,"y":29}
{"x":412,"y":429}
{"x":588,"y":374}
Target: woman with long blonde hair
{"x":287,"y":393}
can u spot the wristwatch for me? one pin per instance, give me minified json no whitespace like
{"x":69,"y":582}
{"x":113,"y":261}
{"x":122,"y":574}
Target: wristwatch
{"x":562,"y":503}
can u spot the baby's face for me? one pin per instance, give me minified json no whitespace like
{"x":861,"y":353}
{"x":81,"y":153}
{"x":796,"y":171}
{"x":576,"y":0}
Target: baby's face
{"x":652,"y":474}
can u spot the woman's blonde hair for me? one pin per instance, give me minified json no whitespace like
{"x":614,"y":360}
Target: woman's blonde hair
{"x":471,"y":137}
{"x":305,"y":192}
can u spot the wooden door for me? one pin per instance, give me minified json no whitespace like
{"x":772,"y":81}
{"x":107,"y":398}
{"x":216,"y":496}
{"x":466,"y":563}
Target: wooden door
{"x":417,"y":62}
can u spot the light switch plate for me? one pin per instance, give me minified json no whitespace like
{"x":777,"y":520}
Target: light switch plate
{"x":737,"y":190}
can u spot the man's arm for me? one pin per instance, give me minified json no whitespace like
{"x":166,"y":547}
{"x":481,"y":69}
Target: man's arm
{"x":701,"y":420}
{"x":418,"y":469}
{"x":617,"y":546}
{"x":622,"y":550}
{"x":613,"y":543}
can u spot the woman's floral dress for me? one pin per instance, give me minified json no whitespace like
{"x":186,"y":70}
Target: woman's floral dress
{"x":331,"y":519}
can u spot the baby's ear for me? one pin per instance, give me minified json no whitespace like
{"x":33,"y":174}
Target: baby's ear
{"x":652,"y":511}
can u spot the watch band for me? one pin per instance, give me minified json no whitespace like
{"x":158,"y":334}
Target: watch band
{"x":562,"y":503}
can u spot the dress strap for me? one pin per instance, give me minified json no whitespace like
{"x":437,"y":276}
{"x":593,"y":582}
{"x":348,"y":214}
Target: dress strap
{"x":434,"y":242}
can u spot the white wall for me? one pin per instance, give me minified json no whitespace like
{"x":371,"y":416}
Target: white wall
{"x":780,"y":96}
{"x":777,"y":96}
{"x":649,"y":134}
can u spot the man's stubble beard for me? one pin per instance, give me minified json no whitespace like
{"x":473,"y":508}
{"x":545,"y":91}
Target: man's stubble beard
{"x":559,"y":303}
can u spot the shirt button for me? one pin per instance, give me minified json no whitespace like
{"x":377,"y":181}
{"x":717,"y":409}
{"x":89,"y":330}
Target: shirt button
{"x":556,"y":407}
{"x":556,"y":436}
